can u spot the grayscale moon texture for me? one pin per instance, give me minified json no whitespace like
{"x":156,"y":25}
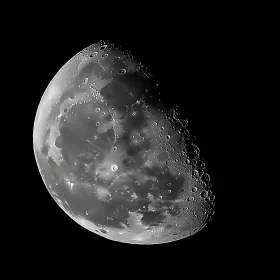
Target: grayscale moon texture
{"x":115,"y":158}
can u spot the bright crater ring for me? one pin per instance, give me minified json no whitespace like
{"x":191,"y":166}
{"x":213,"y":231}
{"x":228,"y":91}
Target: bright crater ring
{"x":115,"y":156}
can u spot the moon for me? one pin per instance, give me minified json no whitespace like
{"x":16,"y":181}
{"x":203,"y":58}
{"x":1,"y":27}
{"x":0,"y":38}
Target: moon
{"x":115,"y":156}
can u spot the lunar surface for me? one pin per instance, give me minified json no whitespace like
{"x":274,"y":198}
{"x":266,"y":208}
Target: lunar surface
{"x":114,"y":156}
